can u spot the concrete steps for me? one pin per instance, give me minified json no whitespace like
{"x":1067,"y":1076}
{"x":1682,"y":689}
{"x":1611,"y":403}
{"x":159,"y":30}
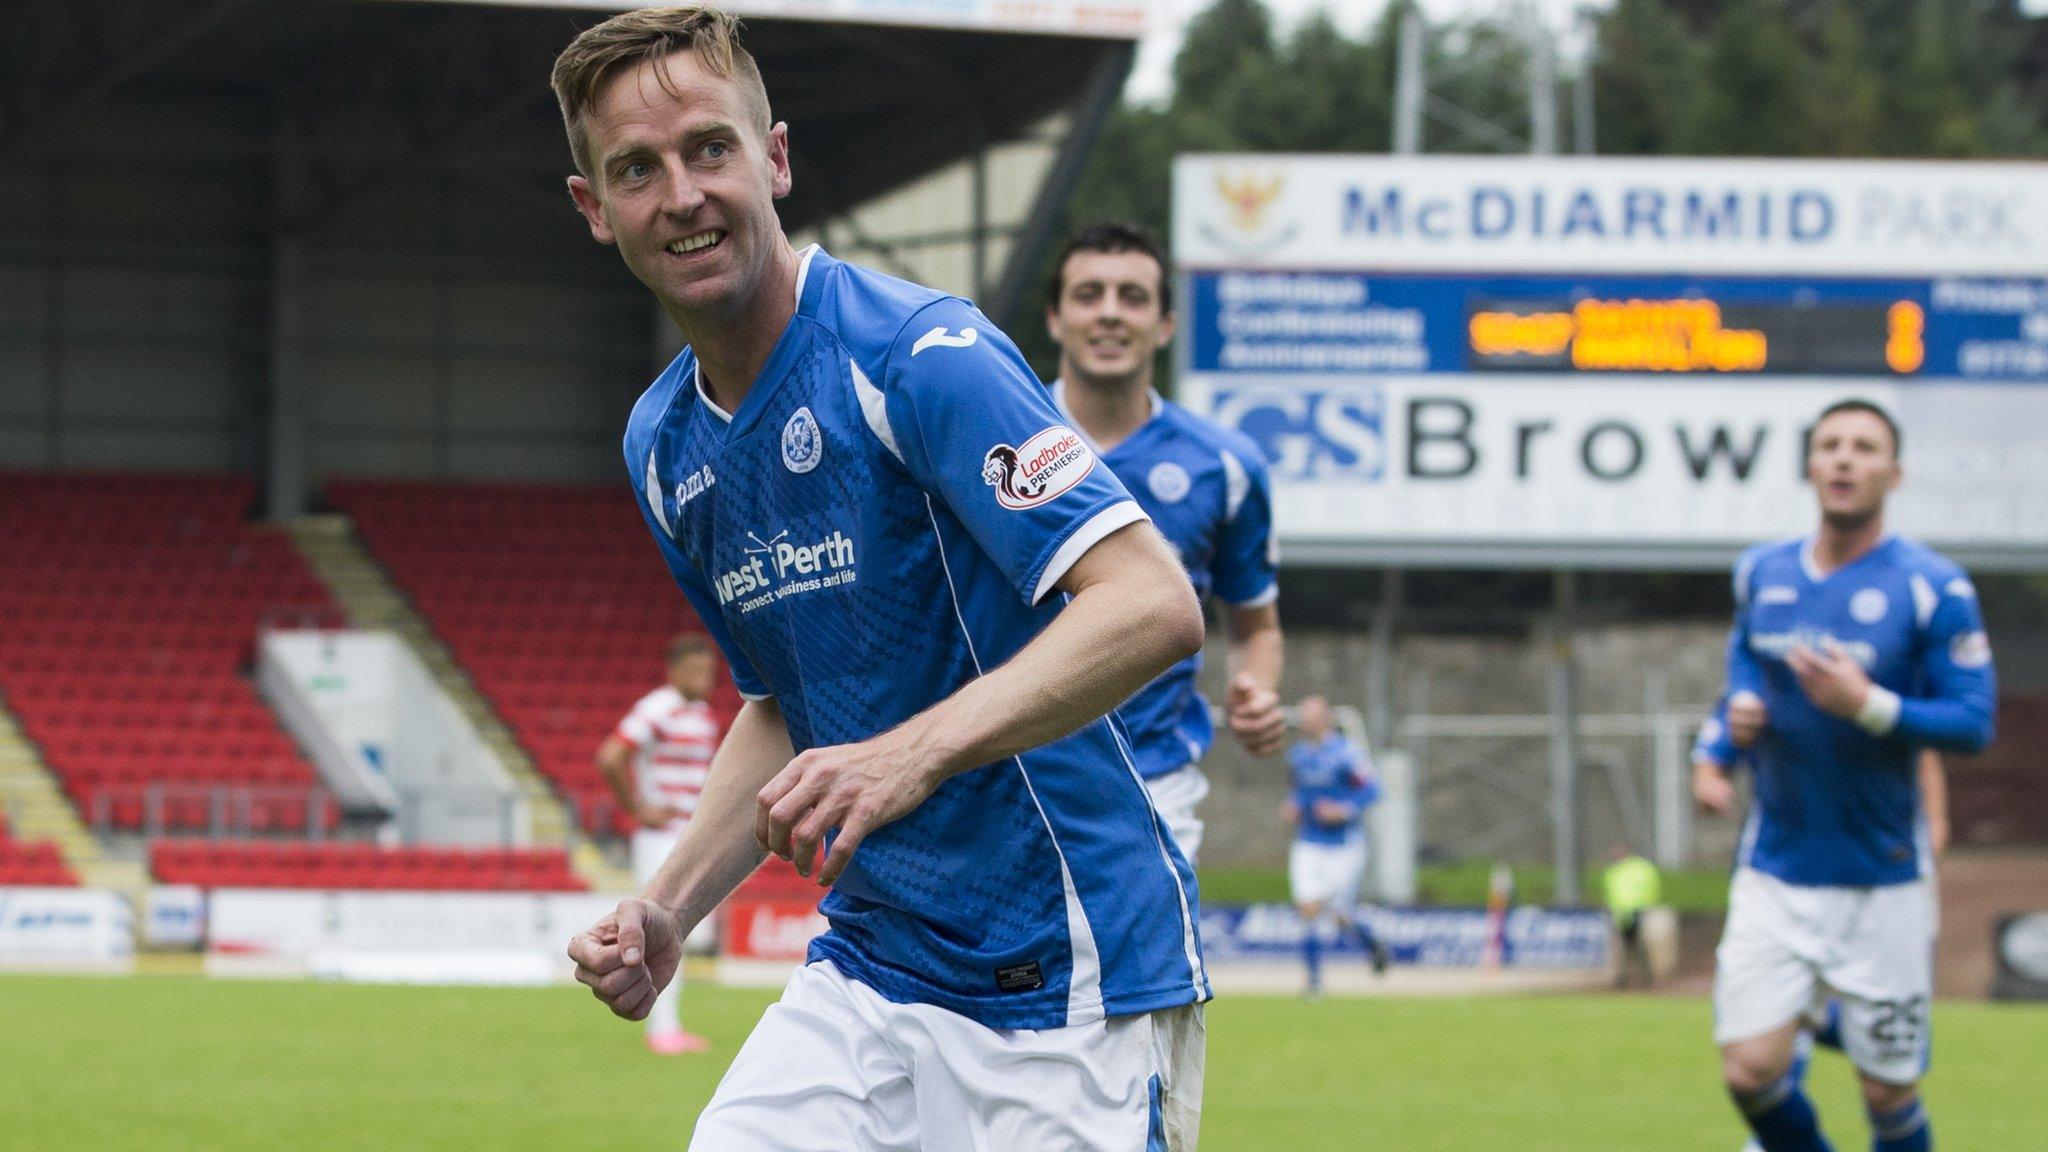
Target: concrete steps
{"x":330,"y":545}
{"x":38,"y":809}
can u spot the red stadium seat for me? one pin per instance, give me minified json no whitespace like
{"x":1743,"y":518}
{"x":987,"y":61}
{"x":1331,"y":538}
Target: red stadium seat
{"x":297,"y":864}
{"x":126,"y":663}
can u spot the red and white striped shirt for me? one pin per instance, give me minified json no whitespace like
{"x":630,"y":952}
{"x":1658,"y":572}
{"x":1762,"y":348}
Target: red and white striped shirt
{"x":673,"y":740}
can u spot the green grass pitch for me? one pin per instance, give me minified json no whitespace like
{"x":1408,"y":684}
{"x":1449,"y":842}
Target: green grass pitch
{"x":173,"y":1063}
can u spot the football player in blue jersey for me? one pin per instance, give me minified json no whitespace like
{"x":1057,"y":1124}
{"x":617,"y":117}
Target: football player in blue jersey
{"x":931,"y":595}
{"x":1205,"y":486}
{"x":1852,"y":650}
{"x":1334,"y":785}
{"x":1820,"y":1025}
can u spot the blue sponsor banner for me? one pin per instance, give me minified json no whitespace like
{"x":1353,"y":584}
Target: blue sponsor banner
{"x":1350,"y":323}
{"x":1550,"y":938}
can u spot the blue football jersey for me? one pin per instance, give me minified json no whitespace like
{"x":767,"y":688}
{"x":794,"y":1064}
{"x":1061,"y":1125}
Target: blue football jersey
{"x":1205,"y":488}
{"x":1836,"y":804}
{"x":883,"y":519}
{"x":1332,"y":768}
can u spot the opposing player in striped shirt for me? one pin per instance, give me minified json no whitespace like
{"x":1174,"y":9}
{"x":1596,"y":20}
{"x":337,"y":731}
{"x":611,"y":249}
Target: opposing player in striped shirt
{"x":656,"y":762}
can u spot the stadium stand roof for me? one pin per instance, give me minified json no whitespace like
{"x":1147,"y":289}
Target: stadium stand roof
{"x":264,"y":152}
{"x":877,"y":93}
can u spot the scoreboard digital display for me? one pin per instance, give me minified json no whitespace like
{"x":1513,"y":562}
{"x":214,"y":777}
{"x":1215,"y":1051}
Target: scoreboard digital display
{"x":1697,"y":335}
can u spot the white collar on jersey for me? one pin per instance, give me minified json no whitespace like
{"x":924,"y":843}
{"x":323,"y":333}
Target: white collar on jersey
{"x":1059,"y":401}
{"x":1811,"y":563}
{"x":803,"y":273}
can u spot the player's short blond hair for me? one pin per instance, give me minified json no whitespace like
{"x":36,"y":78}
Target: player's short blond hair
{"x":643,"y":36}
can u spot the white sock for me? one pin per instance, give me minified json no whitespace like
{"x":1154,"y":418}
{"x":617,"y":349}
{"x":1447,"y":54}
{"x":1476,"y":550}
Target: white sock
{"x":667,"y":1015}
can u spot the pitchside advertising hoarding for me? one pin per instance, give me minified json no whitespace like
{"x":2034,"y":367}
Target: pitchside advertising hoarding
{"x":1502,"y":360}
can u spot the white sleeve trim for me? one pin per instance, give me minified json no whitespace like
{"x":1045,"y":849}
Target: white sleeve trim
{"x":653,"y":485}
{"x":874,"y":408}
{"x":1118,"y":515}
{"x":1743,"y":567}
{"x":754,"y":697}
{"x":1237,"y":484}
{"x":1270,"y":595}
{"x":1925,"y":599}
{"x":1880,"y":711}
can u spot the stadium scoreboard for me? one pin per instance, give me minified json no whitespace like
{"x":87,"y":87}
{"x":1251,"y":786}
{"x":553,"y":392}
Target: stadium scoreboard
{"x":1522,"y":360}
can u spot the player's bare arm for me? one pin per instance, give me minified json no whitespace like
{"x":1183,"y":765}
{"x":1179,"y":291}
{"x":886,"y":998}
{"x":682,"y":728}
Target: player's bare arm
{"x":1257,"y":653}
{"x":615,"y":764}
{"x":630,"y":955}
{"x":1131,"y":615}
{"x":1933,"y":780}
{"x":1334,"y":813}
{"x":1712,"y":791}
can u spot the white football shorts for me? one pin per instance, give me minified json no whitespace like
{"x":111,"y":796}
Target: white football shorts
{"x":1327,"y":874}
{"x":1787,"y":947}
{"x":1176,"y":795}
{"x":833,"y":1067}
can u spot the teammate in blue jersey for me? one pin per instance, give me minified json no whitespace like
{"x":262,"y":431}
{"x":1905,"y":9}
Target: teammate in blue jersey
{"x":930,"y":594}
{"x":1852,"y":650}
{"x":1333,"y":786}
{"x":1205,"y":486}
{"x":1820,"y":1025}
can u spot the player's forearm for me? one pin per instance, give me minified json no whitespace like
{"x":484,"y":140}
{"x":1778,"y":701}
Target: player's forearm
{"x":1257,"y":647}
{"x":1933,"y":782}
{"x":718,"y":849}
{"x":1109,"y":641}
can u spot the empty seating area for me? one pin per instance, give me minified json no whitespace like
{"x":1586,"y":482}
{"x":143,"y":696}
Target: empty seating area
{"x":272,"y":864}
{"x":133,"y":603}
{"x":32,"y":863}
{"x":553,"y":598}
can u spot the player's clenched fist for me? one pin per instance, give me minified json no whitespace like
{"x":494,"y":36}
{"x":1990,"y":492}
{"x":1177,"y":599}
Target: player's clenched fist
{"x":1255,"y":717}
{"x":855,"y":788}
{"x":1746,"y":719}
{"x":628,"y":957}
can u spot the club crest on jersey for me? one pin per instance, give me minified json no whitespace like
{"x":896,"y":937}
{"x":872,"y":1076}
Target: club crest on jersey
{"x":1169,"y":482}
{"x":1038,"y":470}
{"x":802,"y":444}
{"x":1868,"y":606}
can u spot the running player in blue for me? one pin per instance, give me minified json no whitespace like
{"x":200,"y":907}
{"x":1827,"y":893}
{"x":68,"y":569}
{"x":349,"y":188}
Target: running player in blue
{"x":931,"y":595}
{"x":1205,"y":486}
{"x":1821,"y":1024}
{"x":1334,"y":785}
{"x":1851,"y":650}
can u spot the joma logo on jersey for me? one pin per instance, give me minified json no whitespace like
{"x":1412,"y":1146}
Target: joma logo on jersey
{"x":692,"y":486}
{"x":776,"y":568}
{"x":1037,"y":470}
